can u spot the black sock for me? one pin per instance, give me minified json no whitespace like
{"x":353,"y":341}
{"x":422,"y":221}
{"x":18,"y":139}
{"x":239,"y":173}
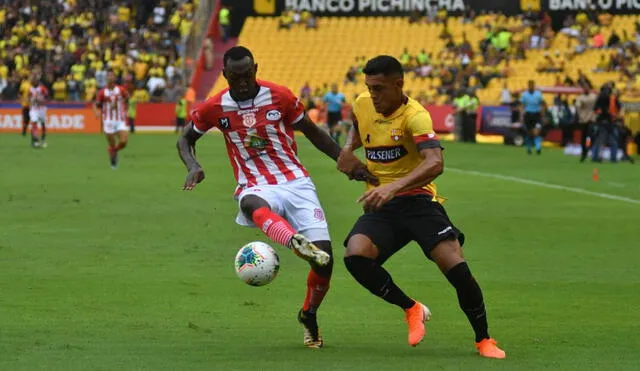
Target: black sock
{"x":470,"y":299}
{"x":377,"y":280}
{"x":43,"y":136}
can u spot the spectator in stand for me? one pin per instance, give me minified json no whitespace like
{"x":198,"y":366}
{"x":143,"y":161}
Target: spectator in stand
{"x":468,"y":14}
{"x":583,"y":81}
{"x":60,"y":89}
{"x":431,"y":12}
{"x":603,"y":64}
{"x":350,"y":76}
{"x":172,"y":92}
{"x":405,"y":59}
{"x":309,"y":20}
{"x":597,"y":42}
{"x":415,"y":17}
{"x":12,"y":90}
{"x":224,"y":19}
{"x":442,"y":16}
{"x":614,"y":40}
{"x":286,"y":19}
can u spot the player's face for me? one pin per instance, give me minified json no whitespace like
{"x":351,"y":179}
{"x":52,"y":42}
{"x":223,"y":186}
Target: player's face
{"x":241,"y":76}
{"x":386,"y":92}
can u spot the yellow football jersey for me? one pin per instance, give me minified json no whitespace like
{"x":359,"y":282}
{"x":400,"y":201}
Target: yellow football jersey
{"x":392,"y":144}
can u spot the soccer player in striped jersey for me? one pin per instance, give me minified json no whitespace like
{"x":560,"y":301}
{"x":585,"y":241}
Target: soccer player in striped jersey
{"x":257,"y":119}
{"x":111,"y":101}
{"x":38,"y":95}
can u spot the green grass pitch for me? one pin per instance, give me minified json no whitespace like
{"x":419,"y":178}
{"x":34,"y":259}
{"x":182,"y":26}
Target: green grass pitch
{"x":121,"y":270}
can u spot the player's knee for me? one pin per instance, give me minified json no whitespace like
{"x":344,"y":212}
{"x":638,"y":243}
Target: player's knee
{"x":361,"y":245}
{"x":250,"y":204}
{"x":447,"y":254}
{"x":123,"y":143}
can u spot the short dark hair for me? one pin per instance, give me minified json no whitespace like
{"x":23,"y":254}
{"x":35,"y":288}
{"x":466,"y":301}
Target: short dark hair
{"x":236,"y":53}
{"x":383,"y":64}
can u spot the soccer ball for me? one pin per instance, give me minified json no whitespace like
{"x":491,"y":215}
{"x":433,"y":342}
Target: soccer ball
{"x":257,"y":263}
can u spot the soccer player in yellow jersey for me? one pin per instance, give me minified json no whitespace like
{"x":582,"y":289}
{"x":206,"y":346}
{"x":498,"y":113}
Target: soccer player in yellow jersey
{"x":401,"y":205}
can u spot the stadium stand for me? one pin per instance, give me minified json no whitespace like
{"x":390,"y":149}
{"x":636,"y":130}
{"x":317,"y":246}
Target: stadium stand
{"x":319,"y":57}
{"x":71,"y":44}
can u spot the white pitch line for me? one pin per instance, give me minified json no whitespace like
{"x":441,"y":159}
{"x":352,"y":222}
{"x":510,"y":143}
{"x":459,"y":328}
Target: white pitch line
{"x":545,"y":185}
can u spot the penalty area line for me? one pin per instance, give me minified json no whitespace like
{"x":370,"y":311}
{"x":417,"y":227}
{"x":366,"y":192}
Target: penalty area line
{"x":545,"y":185}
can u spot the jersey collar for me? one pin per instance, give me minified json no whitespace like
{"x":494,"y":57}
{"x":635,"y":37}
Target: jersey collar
{"x":400,"y":110}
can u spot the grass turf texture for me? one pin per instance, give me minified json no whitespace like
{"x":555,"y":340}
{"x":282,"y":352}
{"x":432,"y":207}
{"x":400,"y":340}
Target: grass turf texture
{"x":104,"y":270}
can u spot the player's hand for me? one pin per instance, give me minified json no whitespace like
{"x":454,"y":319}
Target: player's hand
{"x":194,"y":177}
{"x":349,"y":164}
{"x":373,"y":199}
{"x":362,"y":174}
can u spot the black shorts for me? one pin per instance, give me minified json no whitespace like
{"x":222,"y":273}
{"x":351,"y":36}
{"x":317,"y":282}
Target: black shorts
{"x":532,"y":120}
{"x":333,"y":118}
{"x":179,"y":122}
{"x":25,"y":115}
{"x":405,"y":219}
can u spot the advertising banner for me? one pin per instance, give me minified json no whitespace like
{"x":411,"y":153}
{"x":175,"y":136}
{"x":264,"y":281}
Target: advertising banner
{"x":495,"y":119}
{"x":610,"y":6}
{"x":366,"y":7}
{"x":443,"y":118}
{"x":61,"y":118}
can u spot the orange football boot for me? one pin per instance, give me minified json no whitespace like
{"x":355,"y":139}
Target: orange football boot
{"x":415,"y":317}
{"x":489,"y":348}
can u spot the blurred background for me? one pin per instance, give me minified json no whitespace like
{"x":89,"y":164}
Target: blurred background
{"x":468,"y":61}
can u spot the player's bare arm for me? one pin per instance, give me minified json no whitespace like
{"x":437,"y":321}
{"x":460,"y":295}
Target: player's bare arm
{"x":426,"y":172}
{"x":349,"y":163}
{"x":187,"y":151}
{"x":318,"y":137}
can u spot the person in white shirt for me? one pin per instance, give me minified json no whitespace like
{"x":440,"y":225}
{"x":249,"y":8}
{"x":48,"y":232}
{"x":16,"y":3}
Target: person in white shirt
{"x":505,"y":96}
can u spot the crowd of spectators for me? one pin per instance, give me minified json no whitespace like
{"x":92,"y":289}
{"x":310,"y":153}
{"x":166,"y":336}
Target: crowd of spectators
{"x":71,"y":44}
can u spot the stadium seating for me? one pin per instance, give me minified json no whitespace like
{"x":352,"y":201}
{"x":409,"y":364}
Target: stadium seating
{"x":70,"y":44}
{"x":293,"y":57}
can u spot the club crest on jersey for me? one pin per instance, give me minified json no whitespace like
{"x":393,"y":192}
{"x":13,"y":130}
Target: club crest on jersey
{"x":224,"y":122}
{"x":274,"y":115}
{"x":396,"y":134}
{"x":249,"y":119}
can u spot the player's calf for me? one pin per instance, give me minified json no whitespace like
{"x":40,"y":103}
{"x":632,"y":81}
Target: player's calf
{"x":361,"y":261}
{"x":448,"y":256}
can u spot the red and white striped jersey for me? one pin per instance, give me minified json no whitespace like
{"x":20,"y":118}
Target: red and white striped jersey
{"x":113,"y":102}
{"x":258,"y":134}
{"x":37,"y":96}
